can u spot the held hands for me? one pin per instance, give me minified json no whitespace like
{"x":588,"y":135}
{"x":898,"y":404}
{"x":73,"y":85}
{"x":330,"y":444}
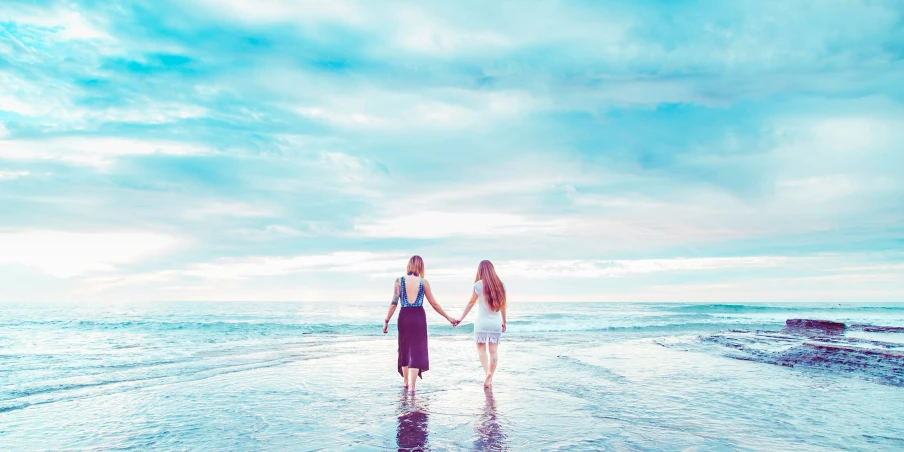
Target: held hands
{"x":454,"y":322}
{"x":385,"y":327}
{"x":503,"y":327}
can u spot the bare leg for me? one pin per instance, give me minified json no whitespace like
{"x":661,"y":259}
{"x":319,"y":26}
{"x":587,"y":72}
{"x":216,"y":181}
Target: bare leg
{"x":405,"y":376}
{"x":412,"y":378}
{"x":482,"y":354}
{"x":494,"y":360}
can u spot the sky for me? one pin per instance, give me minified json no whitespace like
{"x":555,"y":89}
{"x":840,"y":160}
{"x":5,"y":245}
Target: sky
{"x":725,"y":152}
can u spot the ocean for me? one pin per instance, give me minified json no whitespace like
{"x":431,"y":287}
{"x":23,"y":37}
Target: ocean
{"x":322,"y":376}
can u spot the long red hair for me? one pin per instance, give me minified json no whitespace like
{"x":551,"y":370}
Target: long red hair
{"x":493,"y":290}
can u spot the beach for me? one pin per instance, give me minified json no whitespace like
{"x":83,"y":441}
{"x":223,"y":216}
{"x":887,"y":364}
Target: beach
{"x":306,"y":376}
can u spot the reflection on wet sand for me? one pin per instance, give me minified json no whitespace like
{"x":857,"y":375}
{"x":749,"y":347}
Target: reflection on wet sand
{"x":412,"y":432}
{"x":490,"y":435}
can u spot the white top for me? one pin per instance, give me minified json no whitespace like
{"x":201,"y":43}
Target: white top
{"x":487,"y":320}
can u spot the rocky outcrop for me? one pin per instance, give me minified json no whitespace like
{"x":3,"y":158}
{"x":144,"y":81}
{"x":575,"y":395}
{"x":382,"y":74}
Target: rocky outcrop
{"x":878,"y":329}
{"x":819,"y":345}
{"x":814,"y":327}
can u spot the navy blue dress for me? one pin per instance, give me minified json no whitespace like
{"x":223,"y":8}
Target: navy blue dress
{"x":413,"y":331}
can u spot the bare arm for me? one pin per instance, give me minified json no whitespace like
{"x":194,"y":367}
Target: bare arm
{"x":433,"y":303}
{"x":503,"y":319}
{"x":468,"y":306}
{"x":392,"y":308}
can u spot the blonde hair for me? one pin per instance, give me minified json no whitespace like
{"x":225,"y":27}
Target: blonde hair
{"x":493,"y":289}
{"x":416,"y":266}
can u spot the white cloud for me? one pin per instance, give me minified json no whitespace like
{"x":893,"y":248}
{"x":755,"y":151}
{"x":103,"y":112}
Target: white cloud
{"x":281,"y":10}
{"x":137,"y":279}
{"x":96,"y":152}
{"x":10,"y":175}
{"x":821,"y":145}
{"x":67,"y":24}
{"x":876,"y":267}
{"x":55,"y":106}
{"x":272,"y":266}
{"x":14,"y":105}
{"x":693,"y":288}
{"x":267,"y":266}
{"x":421,"y":33}
{"x":446,"y":108}
{"x":853,"y":134}
{"x":229,"y":209}
{"x":618,"y":268}
{"x":348,"y":168}
{"x":352,"y":119}
{"x":154,"y":113}
{"x":67,"y":254}
{"x":527,"y":270}
{"x":384,"y":265}
{"x":278,"y":231}
{"x":447,"y":224}
{"x":272,"y":231}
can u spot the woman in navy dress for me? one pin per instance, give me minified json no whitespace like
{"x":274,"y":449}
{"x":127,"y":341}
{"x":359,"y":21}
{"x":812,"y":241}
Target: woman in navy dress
{"x":411,"y":290}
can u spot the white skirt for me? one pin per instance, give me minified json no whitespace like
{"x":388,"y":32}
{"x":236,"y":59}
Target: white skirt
{"x":483,"y":337}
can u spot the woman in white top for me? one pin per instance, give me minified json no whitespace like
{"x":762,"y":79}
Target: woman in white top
{"x":490,"y":324}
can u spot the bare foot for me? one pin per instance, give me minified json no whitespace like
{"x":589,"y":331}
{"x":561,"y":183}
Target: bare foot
{"x":488,"y":381}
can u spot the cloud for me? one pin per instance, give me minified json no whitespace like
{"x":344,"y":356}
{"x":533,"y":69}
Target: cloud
{"x":386,"y":265}
{"x":266,"y":266}
{"x":67,"y":109}
{"x":69,"y":254}
{"x":420,"y":32}
{"x":617,"y":144}
{"x":620,"y":268}
{"x":228,"y":209}
{"x":272,"y":11}
{"x":64,"y":23}
{"x":272,"y":231}
{"x":97,"y":152}
{"x":347,"y":169}
{"x":424,"y":225}
{"x":398,"y":110}
{"x":11,"y":175}
{"x":15,"y":105}
{"x":346,"y":262}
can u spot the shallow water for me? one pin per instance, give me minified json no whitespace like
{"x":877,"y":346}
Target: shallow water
{"x":282,"y":376}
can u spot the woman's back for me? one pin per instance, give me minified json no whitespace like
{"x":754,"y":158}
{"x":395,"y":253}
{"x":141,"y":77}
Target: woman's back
{"x":488,"y":321}
{"x":411,"y":292}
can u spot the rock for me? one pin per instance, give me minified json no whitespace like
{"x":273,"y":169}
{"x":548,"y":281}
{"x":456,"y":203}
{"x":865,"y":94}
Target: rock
{"x":878,"y":329}
{"x":817,"y":326}
{"x":818,"y":345}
